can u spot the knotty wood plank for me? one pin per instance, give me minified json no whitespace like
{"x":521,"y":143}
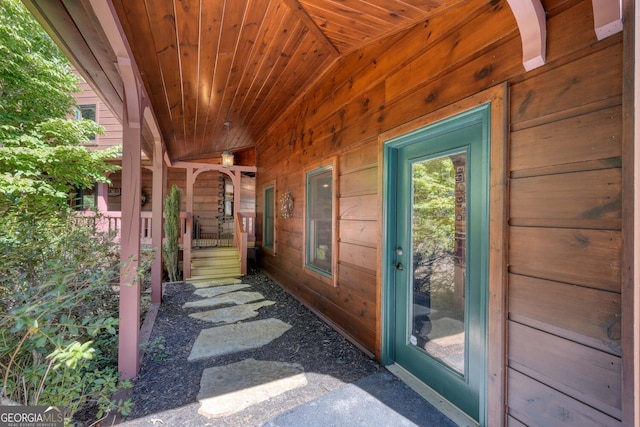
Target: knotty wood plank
{"x":294,"y":31}
{"x":457,"y":47}
{"x":498,"y":65}
{"x":358,"y":208}
{"x":361,"y":256}
{"x":564,"y":364}
{"x":374,"y":63}
{"x":358,"y":280}
{"x":304,"y":17}
{"x":187,"y":21}
{"x":584,"y":315}
{"x":359,"y":232}
{"x":209,"y":64}
{"x":582,"y":81}
{"x":360,"y":182}
{"x":535,"y":404}
{"x":265,"y":50}
{"x":592,"y":136}
{"x":594,"y":195}
{"x":582,"y":257}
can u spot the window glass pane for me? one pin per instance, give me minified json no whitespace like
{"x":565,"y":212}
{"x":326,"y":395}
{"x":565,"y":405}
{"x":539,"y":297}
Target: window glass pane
{"x":269,"y":220}
{"x":319,"y":220}
{"x":87,"y":112}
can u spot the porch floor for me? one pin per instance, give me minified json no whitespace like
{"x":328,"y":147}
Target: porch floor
{"x":247,"y":354}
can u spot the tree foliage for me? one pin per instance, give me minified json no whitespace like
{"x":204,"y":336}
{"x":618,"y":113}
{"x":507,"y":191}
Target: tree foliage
{"x":41,"y":153}
{"x":434,"y":206}
{"x":58,"y":309}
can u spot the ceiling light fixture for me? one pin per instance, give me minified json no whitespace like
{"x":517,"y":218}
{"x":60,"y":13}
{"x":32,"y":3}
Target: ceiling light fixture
{"x":227,"y":156}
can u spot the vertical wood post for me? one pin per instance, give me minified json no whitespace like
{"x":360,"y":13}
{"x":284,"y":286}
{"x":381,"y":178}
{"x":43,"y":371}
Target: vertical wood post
{"x":631,"y":216}
{"x":157,"y":201}
{"x":102,"y":191}
{"x":186,"y":250}
{"x":129,"y":330}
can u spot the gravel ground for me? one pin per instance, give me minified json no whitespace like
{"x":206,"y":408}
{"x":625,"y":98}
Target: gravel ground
{"x":165,"y":391}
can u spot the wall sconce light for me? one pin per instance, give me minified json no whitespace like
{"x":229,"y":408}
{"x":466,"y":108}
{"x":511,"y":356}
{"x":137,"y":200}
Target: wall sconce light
{"x":227,"y":156}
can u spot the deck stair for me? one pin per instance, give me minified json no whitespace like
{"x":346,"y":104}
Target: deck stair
{"x":214,"y":263}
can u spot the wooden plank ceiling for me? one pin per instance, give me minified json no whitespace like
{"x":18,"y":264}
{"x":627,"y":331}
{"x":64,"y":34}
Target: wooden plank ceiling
{"x":205,"y":62}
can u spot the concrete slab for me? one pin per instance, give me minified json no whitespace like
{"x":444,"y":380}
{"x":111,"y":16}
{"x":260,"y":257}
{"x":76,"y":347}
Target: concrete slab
{"x":240,"y":297}
{"x":229,"y":339}
{"x":380,"y":400}
{"x":218,"y":282}
{"x":232,"y":314}
{"x":225,"y":390}
{"x":219,"y":290}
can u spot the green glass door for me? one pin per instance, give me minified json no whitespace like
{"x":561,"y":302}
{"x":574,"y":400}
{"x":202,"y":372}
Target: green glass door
{"x":440,"y":255}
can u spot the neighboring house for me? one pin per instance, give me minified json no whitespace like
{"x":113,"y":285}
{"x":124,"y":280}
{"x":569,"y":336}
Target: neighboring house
{"x":453,"y":185}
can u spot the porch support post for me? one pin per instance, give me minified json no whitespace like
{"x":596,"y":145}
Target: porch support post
{"x":102,"y":191}
{"x":631,"y":216}
{"x":235,"y":179}
{"x":157,"y":200}
{"x":186,"y":250}
{"x":129,"y":329}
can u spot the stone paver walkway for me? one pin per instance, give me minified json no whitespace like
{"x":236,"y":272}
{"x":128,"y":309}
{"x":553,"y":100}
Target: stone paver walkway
{"x":225,"y":390}
{"x":244,"y":382}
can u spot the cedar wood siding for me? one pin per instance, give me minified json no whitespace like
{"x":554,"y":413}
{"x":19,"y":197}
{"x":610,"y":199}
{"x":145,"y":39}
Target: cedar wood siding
{"x":104,"y":117}
{"x":564,"y":172}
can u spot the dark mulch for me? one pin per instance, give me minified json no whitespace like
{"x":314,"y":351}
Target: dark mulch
{"x":165,"y":391}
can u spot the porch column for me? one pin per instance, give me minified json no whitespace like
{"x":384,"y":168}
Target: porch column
{"x":129,"y":329}
{"x":157,"y":208}
{"x":236,"y":177}
{"x":186,"y":249}
{"x":102,"y":191}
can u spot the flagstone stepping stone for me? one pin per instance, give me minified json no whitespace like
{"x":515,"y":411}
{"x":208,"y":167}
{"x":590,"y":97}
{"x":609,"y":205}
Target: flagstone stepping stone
{"x":240,"y":297}
{"x":228,"y":389}
{"x":219,"y":290}
{"x":219,"y":282}
{"x":232,"y":314}
{"x":229,"y":339}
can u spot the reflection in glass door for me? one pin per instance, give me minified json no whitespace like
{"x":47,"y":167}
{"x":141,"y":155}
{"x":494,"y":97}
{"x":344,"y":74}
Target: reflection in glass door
{"x":438,"y":251}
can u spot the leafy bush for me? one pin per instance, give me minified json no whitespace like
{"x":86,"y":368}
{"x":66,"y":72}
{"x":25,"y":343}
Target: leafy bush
{"x":58,"y":314}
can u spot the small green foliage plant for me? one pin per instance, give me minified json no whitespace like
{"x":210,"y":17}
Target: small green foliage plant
{"x":59,"y":317}
{"x":171,"y":231}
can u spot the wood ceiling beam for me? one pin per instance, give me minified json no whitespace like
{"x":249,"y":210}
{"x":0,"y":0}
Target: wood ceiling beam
{"x":302,"y":14}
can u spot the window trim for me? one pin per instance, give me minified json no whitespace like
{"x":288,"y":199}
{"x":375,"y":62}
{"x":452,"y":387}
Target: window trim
{"x":269,"y":185}
{"x":332,"y":165}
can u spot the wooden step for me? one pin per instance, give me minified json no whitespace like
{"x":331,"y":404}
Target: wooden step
{"x":214,"y":253}
{"x":214,"y":262}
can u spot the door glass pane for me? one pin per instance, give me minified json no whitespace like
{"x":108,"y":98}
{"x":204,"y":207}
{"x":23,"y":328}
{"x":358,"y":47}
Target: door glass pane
{"x":438,"y":244}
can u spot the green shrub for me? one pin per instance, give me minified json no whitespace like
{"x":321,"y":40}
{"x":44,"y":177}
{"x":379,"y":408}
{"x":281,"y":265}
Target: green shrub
{"x":59,"y":315}
{"x":171,"y":231}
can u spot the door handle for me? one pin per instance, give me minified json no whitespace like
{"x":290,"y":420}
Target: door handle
{"x":399,"y":266}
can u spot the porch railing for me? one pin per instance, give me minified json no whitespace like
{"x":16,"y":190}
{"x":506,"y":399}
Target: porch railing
{"x":111,"y":222}
{"x":212,"y":232}
{"x":220,"y":231}
{"x":244,"y":228}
